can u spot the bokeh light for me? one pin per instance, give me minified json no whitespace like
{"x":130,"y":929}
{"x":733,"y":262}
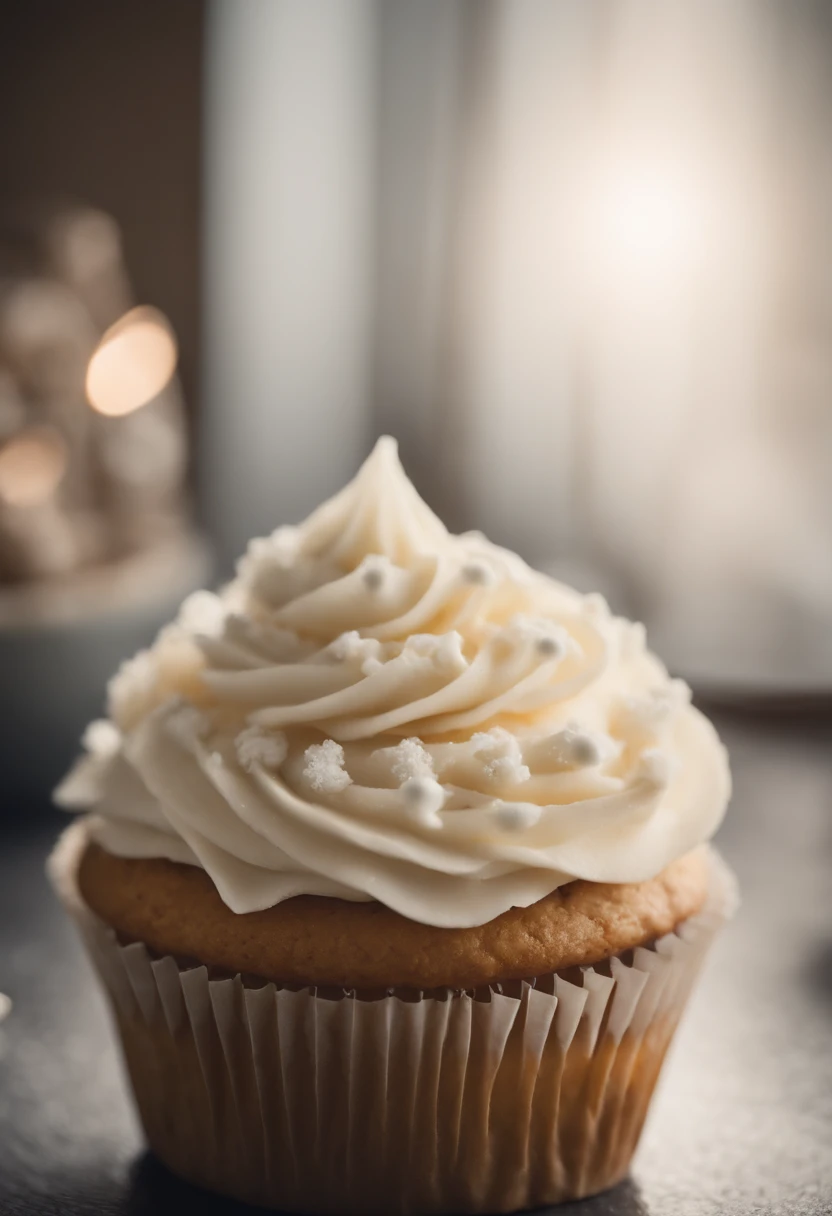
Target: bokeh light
{"x":132,"y":363}
{"x":32,"y":465}
{"x":648,"y":219}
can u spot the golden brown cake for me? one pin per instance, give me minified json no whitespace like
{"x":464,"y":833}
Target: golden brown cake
{"x":175,"y":909}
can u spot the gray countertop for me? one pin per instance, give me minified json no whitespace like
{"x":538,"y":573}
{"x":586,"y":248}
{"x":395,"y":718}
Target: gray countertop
{"x":742,"y":1122}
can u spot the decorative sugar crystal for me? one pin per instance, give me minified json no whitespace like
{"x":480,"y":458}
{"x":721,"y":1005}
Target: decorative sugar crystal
{"x":650,"y":715}
{"x":350,"y":647}
{"x":257,"y":746}
{"x":502,"y":759}
{"x":410,"y":759}
{"x":187,"y":724}
{"x":443,"y":649}
{"x":324,"y":769}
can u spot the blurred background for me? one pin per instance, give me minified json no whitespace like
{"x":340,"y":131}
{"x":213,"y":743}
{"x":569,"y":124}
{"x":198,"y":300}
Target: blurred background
{"x":574,"y":254}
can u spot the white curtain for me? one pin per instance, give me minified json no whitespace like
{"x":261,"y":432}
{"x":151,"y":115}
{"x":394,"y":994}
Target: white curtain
{"x":289,"y":185}
{"x":574,"y":254}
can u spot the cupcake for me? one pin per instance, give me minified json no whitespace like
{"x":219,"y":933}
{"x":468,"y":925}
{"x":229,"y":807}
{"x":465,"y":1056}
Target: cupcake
{"x":393,"y":863}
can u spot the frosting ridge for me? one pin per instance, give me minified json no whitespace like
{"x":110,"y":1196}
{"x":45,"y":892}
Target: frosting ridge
{"x":377,"y":709}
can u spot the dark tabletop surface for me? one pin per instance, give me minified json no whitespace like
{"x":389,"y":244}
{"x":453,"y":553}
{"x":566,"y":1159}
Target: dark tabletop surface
{"x":743,"y":1120}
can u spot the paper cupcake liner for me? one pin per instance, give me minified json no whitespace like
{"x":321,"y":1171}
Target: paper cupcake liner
{"x":513,"y":1096}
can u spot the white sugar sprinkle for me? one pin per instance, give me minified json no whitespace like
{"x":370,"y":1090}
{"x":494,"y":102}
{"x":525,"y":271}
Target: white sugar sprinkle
{"x":652,"y":713}
{"x":501,"y":757}
{"x":255,"y":745}
{"x":571,"y":748}
{"x":410,"y":759}
{"x":507,"y":770}
{"x":514,"y":817}
{"x":324,"y":769}
{"x":188,"y":724}
{"x":350,"y":647}
{"x":101,"y":738}
{"x":424,"y":799}
{"x":443,"y":649}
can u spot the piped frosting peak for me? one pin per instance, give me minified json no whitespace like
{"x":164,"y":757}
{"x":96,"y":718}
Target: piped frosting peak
{"x":377,"y":709}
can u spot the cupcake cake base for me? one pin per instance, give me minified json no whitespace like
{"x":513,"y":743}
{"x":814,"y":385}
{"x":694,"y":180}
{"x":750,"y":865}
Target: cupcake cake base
{"x":496,"y":1099}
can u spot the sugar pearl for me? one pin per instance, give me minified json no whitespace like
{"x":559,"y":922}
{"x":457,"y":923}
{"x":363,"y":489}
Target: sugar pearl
{"x":373,"y":578}
{"x":516,"y":817}
{"x":477,"y":574}
{"x":424,"y":799}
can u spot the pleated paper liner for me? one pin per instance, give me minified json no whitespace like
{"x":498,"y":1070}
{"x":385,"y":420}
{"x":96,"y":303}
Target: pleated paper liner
{"x":510,"y":1097}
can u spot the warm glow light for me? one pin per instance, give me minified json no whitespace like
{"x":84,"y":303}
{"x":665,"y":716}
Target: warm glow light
{"x":645,"y":219}
{"x":31,"y":467}
{"x":132,"y":363}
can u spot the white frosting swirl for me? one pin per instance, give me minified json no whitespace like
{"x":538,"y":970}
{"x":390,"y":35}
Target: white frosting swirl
{"x":376,"y":709}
